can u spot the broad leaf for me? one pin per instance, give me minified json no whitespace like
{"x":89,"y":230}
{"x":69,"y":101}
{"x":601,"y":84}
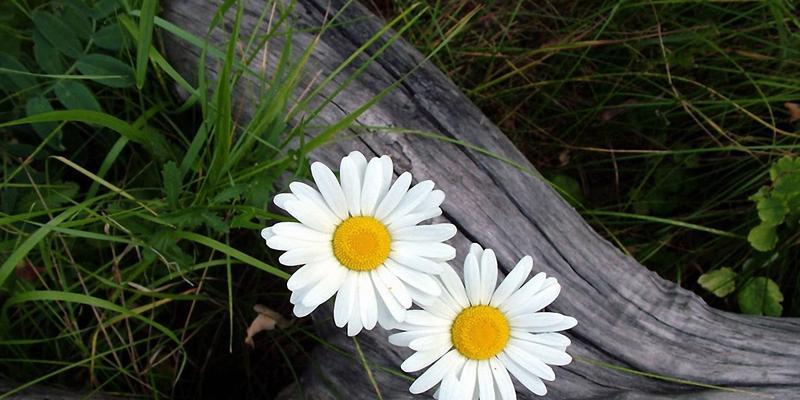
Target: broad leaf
{"x":761,"y":296}
{"x":721,"y":282}
{"x":772,"y":210}
{"x":763,"y":237}
{"x":61,"y":36}
{"x":76,"y":96}
{"x":38,"y":105}
{"x":106,"y":70}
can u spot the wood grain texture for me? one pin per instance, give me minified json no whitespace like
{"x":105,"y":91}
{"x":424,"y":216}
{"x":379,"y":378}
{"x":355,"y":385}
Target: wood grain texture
{"x":628,"y":316}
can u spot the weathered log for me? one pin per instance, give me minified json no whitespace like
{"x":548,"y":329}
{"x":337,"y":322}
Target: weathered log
{"x":628,"y":316}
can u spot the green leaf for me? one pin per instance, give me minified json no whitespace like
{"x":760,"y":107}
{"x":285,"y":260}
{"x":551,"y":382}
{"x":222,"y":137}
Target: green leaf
{"x":143,"y":38}
{"x":109,"y":37}
{"x":761,"y":296}
{"x":721,"y":282}
{"x":115,"y":72}
{"x":48,"y":58}
{"x":772,"y":210}
{"x":38,"y":105}
{"x":172,"y":183}
{"x":763,"y":237}
{"x":14,"y":81}
{"x":75,"y":16}
{"x":104,"y":8}
{"x":61,"y":36}
{"x":75,"y":95}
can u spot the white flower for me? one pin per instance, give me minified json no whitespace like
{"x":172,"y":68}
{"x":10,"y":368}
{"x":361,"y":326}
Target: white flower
{"x":359,"y":240}
{"x":475,"y":336}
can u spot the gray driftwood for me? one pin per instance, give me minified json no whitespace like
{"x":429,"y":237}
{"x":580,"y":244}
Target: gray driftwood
{"x":628,"y":316}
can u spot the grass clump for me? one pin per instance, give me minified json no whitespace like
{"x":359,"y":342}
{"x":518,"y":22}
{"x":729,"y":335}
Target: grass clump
{"x":662,"y":120}
{"x":125,"y":208}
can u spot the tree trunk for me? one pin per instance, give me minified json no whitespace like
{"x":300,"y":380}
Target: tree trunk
{"x":628,"y":316}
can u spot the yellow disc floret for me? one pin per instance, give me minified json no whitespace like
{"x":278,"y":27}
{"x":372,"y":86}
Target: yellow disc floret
{"x":361,"y":243}
{"x":480,"y":332}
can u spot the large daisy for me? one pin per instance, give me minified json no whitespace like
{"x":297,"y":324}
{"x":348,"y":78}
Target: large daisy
{"x":472,"y":337}
{"x":359,"y":238}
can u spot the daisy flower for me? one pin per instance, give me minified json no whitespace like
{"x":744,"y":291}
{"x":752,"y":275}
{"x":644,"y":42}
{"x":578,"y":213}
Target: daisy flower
{"x":358,"y":238}
{"x":472,"y":337}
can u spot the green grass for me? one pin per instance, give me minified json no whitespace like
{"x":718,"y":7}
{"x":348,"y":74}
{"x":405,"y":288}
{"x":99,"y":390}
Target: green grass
{"x":129,"y":216}
{"x":659,"y":118}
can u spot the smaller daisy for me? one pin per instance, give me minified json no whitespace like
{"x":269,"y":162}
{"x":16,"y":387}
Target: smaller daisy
{"x":359,"y":238}
{"x":473,"y":335}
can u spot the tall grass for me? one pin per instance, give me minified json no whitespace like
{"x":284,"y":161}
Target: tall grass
{"x":660,"y":118}
{"x":130,"y":216}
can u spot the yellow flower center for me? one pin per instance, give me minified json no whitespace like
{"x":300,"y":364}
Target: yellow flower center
{"x":480,"y":332}
{"x":361,"y":243}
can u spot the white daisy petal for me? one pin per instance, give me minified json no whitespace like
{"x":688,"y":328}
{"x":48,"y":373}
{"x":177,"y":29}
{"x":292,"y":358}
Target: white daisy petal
{"x":385,"y":297}
{"x":393,"y":196}
{"x":488,"y":275}
{"x":267,"y":233}
{"x":345,"y":300}
{"x":433,"y":233}
{"x":414,"y":278}
{"x":434,"y":199}
{"x":524,"y":293}
{"x":436,"y":372}
{"x":540,"y":300}
{"x":300,"y":310}
{"x":468,"y":379}
{"x":551,"y":339}
{"x":298,"y":295}
{"x":278,"y":242}
{"x":430,"y":342}
{"x":454,"y":286}
{"x":414,"y":197}
{"x":472,"y":279}
{"x":531,"y":362}
{"x":281,"y":199}
{"x":297,"y":230}
{"x":512,"y":281}
{"x":440,"y":307}
{"x":354,"y":325}
{"x":325,"y":288}
{"x":526,"y":378}
{"x":385,"y":318}
{"x":371,"y":190}
{"x":359,"y":161}
{"x":312,"y":216}
{"x":476,"y":250}
{"x":388,"y":170}
{"x":311,"y":273}
{"x":304,"y":255}
{"x":312,"y":197}
{"x":485,"y":381}
{"x":330,"y":189}
{"x":564,"y":324}
{"x":395,"y":286}
{"x":367,"y":301}
{"x":547,"y":354}
{"x":422,"y":359}
{"x":450,"y":387}
{"x":405,"y":338}
{"x":351,"y":185}
{"x":535,"y":320}
{"x":414,"y":218}
{"x":424,"y":318}
{"x":429,"y":250}
{"x":504,"y":384}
